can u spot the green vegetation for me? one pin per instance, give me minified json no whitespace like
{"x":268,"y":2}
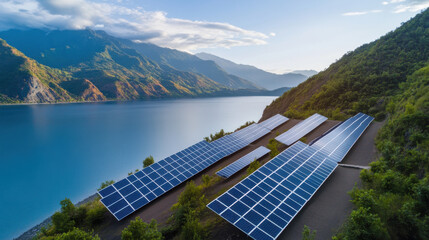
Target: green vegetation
{"x":72,"y":222}
{"x":307,"y":234}
{"x":139,"y":230}
{"x":222,"y":133}
{"x":253,"y":167}
{"x":273,"y":145}
{"x":248,"y":123}
{"x":84,"y":65}
{"x":148,"y":161}
{"x":187,"y":210}
{"x":394,"y":200}
{"x":362,"y":80}
{"x":106,"y":184}
{"x":216,"y":136}
{"x":75,"y":234}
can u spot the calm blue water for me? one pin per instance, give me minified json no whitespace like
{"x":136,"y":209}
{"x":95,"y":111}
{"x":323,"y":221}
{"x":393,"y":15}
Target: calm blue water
{"x":50,"y":152}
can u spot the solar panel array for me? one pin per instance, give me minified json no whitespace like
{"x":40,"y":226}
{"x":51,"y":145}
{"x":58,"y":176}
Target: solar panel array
{"x":131,"y":193}
{"x":236,"y":166}
{"x":264,"y":203}
{"x":273,"y":122}
{"x":301,"y":129}
{"x":339,"y":141}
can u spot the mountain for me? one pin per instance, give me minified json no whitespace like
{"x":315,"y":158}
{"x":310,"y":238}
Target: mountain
{"x":260,"y":77}
{"x":24,"y":80}
{"x":187,"y":62}
{"x":362,"y":80}
{"x":308,"y":73}
{"x":101,"y":62}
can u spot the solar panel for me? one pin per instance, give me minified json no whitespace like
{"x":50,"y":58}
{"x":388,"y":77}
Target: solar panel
{"x":137,"y":190}
{"x":131,"y":193}
{"x":301,"y":129}
{"x":264,"y":203}
{"x":273,"y":122}
{"x":338,"y":142}
{"x":236,"y":166}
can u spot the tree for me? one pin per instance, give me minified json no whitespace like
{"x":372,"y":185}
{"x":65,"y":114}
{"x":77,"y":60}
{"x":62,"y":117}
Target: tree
{"x":192,"y":229}
{"x":148,"y":161}
{"x":365,"y":225}
{"x":139,"y":230}
{"x":77,"y":234}
{"x":307,"y":234}
{"x":191,"y":199}
{"x":63,"y":221}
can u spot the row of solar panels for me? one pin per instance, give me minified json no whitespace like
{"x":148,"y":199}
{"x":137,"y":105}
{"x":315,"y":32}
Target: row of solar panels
{"x":265,"y":202}
{"x":288,"y":138}
{"x":129,"y":194}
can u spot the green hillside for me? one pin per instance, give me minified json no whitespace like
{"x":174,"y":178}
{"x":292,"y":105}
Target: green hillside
{"x":362,"y":80}
{"x":386,"y":78}
{"x":394,"y":200}
{"x":119,"y":72}
{"x":24,"y":80}
{"x":190,"y":63}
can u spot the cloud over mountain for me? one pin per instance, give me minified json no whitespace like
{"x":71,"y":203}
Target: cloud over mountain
{"x":136,"y":24}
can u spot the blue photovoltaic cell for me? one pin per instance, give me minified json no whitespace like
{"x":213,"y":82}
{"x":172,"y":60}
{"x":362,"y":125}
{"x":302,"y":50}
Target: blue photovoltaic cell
{"x":301,"y":129}
{"x":339,"y":141}
{"x":236,"y":166}
{"x":273,"y":122}
{"x":264,"y":203}
{"x":131,"y":193}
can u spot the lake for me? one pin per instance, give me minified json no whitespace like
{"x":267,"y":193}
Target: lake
{"x":50,"y":152}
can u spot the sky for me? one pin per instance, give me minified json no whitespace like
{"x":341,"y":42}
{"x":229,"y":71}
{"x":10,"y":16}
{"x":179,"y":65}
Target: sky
{"x":274,"y":35}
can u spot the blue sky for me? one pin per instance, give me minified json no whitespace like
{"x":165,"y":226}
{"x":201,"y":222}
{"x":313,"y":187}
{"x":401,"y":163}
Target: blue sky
{"x":275,"y":35}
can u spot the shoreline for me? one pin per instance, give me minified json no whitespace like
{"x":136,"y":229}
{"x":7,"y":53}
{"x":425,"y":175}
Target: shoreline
{"x":226,"y":94}
{"x":32,"y":232}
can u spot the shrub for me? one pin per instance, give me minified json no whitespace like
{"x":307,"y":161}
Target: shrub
{"x":148,"y":161}
{"x":77,"y":234}
{"x":253,"y":167}
{"x":139,"y":230}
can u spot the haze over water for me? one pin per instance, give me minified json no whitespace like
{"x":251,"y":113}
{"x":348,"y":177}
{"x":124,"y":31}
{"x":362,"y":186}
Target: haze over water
{"x":50,"y":152}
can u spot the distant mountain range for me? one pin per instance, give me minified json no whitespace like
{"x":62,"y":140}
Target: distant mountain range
{"x":87,"y":65}
{"x":308,"y":73}
{"x":258,"y":76}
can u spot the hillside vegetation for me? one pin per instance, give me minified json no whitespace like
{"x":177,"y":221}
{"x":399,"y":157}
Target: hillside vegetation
{"x":24,"y":80}
{"x":386,"y":78}
{"x":393,"y":204}
{"x":362,"y":80}
{"x":104,"y":65}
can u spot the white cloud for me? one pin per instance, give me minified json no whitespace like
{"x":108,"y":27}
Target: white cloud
{"x":392,"y":2}
{"x":347,"y":14}
{"x":398,"y":6}
{"x":411,"y":6}
{"x":136,"y":24}
{"x":407,"y":5}
{"x":272,"y":34}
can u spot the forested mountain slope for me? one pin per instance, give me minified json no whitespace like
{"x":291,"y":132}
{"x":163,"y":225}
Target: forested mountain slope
{"x":362,"y":79}
{"x":118,"y":71}
{"x":187,"y":62}
{"x":24,"y":80}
